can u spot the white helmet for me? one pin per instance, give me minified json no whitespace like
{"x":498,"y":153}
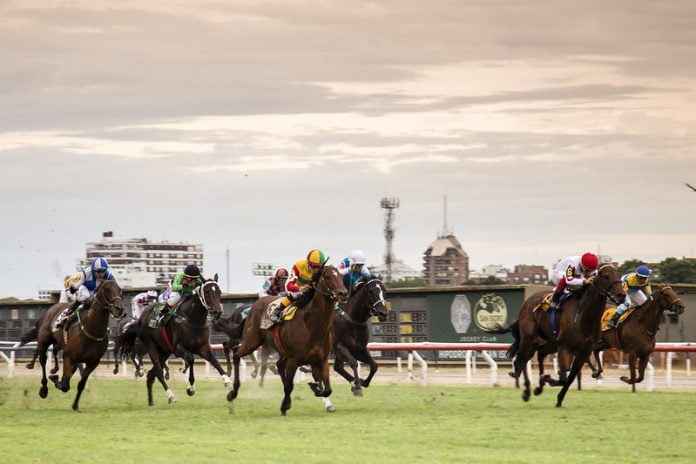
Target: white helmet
{"x":356,"y":257}
{"x":152,"y":293}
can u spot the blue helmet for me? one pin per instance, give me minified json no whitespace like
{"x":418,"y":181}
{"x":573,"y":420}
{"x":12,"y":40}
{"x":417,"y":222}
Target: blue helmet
{"x":100,"y":264}
{"x":643,"y":271}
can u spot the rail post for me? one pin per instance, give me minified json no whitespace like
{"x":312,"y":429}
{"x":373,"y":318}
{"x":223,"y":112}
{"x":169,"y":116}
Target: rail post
{"x":494,"y":368}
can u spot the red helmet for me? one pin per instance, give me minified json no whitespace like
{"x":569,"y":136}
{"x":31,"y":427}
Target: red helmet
{"x":589,"y":261}
{"x":281,"y":273}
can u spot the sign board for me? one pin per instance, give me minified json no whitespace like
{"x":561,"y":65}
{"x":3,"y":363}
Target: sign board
{"x":263,"y":269}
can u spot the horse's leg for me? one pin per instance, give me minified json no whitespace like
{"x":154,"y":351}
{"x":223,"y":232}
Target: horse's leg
{"x":597,"y":373}
{"x":81,"y":384}
{"x":155,"y":372}
{"x":524,"y":354}
{"x":288,"y":384}
{"x":68,"y":370}
{"x":55,"y":367}
{"x":43,"y":357}
{"x":642,"y":364}
{"x":207,"y":354}
{"x":345,"y":353}
{"x":578,"y":362}
{"x":226,"y":350}
{"x":632,"y":369}
{"x":339,"y":364}
{"x":117,"y":349}
{"x":264,"y":366}
{"x":366,"y":358}
{"x":255,"y":372}
{"x":35,"y":356}
{"x":541,"y":355}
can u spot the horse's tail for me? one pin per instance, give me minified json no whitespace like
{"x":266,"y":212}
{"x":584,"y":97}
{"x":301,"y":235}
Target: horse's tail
{"x":30,"y":336}
{"x":126,"y":341}
{"x":514,"y":329}
{"x":225,"y":325}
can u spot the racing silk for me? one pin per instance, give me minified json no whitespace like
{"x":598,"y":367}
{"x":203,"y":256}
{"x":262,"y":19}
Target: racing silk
{"x":72,"y":281}
{"x":271,"y":287}
{"x":299,"y":277}
{"x":569,"y":271}
{"x":178,"y":287}
{"x":139,"y":302}
{"x":350,"y":278}
{"x":90,"y":281}
{"x":632,"y":284}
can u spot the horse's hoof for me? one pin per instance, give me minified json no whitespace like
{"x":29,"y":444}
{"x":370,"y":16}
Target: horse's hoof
{"x":525,"y":396}
{"x":252,"y":375}
{"x":172,"y":400}
{"x":166,"y":376}
{"x":538,"y":391}
{"x":330,"y":408}
{"x":190,"y":392}
{"x":74,"y":408}
{"x":625,"y":379}
{"x":30,"y":365}
{"x":597,"y":376}
{"x":356,"y":391}
{"x":43,"y":392}
{"x":512,"y":374}
{"x":232,"y":394}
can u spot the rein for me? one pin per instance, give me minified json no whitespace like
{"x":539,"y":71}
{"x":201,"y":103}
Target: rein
{"x":109,"y":305}
{"x":372,"y":306}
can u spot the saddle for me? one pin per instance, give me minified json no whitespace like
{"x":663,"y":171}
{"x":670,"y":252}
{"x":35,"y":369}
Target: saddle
{"x":545,"y":302}
{"x":287,"y":314}
{"x":154,"y":321}
{"x":609,"y":313}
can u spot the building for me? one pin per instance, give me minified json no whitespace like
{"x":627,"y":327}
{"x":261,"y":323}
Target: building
{"x":399,"y":271}
{"x":528,"y":274}
{"x":137,"y":262}
{"x":492,"y":270}
{"x":445,"y":262}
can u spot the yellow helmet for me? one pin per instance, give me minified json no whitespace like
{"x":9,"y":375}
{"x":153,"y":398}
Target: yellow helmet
{"x":316,"y":258}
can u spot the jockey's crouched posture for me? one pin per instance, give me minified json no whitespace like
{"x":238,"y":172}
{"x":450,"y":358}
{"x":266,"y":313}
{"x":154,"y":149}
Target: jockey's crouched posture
{"x":181,"y":285}
{"x":275,"y":285}
{"x":353,"y":269}
{"x":141,"y":301}
{"x":637,"y":290}
{"x":571,"y":274}
{"x":83,"y":288}
{"x":299,"y":286}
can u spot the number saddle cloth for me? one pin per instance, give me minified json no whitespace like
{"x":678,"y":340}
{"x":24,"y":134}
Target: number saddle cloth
{"x":287,"y":314}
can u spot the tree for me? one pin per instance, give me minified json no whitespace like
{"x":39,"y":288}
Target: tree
{"x":675,"y":271}
{"x":630,"y":265}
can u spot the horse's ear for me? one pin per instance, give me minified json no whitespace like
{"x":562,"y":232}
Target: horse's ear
{"x":215,"y":277}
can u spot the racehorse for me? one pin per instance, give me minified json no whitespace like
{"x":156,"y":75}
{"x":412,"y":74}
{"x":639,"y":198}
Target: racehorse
{"x":351,"y":333}
{"x":636,"y":335}
{"x":136,"y":354}
{"x":184,"y":335}
{"x":305,"y":339}
{"x":231,"y":326}
{"x":533,"y":332}
{"x":82,"y":342}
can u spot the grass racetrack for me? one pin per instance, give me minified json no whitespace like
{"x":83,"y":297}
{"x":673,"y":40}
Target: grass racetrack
{"x":392,"y":423}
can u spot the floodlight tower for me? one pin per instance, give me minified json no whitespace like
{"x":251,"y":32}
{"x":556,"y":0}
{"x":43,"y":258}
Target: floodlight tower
{"x":389,"y":205}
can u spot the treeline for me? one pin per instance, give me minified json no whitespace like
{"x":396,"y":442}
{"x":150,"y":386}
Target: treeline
{"x":671,"y":270}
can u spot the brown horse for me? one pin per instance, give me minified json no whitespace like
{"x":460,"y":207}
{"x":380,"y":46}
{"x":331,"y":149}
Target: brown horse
{"x":533,"y":332}
{"x":351,"y":332}
{"x":184,"y":335}
{"x":231,"y":326}
{"x":636,"y":335}
{"x":87,"y":338}
{"x":305,"y":339}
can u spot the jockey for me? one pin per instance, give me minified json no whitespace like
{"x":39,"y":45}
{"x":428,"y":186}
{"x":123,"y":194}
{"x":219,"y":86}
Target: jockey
{"x":572,"y":273}
{"x":299,"y":286}
{"x":66,"y":295}
{"x":275,"y":286}
{"x":89,"y":279}
{"x":637,"y":292}
{"x":141,"y":301}
{"x":353,"y":269}
{"x":182,"y":284}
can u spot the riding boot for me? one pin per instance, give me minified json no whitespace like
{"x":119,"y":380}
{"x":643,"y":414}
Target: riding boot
{"x":163,"y":313}
{"x":554,"y":301}
{"x":68,"y":314}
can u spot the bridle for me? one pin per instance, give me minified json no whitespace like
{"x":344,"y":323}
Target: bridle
{"x":331,"y":294}
{"x":200,"y":293}
{"x":363,"y":299}
{"x":109,"y":305}
{"x":673,"y":303}
{"x":605,"y":292}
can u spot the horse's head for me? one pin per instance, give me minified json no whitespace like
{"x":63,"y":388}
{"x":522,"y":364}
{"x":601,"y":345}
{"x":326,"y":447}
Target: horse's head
{"x":330,"y":283}
{"x":608,"y":282}
{"x":667,"y":298}
{"x":109,"y":296}
{"x":209,"y":295}
{"x":374,"y":297}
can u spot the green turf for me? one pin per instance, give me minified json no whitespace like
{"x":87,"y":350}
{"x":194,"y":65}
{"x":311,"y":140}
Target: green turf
{"x":399,"y":424}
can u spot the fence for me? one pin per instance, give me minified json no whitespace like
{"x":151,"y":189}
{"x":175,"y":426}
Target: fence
{"x":470,"y":349}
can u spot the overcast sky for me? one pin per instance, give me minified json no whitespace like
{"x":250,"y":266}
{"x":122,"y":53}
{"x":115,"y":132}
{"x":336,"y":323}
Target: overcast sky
{"x":273,"y":127}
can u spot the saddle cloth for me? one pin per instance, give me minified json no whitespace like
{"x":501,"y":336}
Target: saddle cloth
{"x":545,"y":302}
{"x":287,"y":314}
{"x":157,"y":309}
{"x":609,"y":312}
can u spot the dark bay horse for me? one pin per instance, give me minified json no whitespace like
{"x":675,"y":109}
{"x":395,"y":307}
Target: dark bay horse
{"x":351,"y":332}
{"x":305,"y":339}
{"x":184,"y":335}
{"x":533,"y":332}
{"x":84,"y":341}
{"x":231,"y":326}
{"x":137,"y":353}
{"x":636,"y":335}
